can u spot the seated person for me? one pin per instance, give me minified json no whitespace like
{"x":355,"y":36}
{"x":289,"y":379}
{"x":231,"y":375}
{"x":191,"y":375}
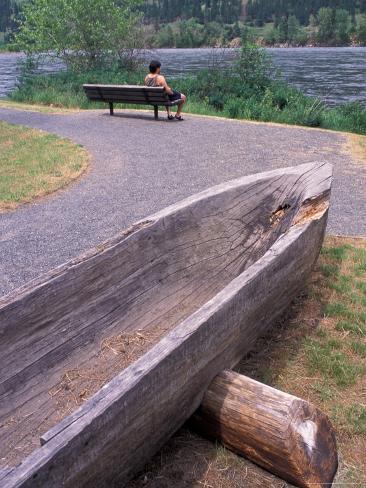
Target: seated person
{"x":154,"y":78}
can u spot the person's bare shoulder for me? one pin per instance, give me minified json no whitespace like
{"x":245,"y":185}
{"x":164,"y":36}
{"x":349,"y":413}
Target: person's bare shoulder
{"x":161,"y":80}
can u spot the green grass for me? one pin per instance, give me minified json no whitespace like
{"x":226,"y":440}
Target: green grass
{"x":359,"y":348}
{"x":322,"y":357}
{"x":323,"y":391}
{"x":361,"y":285}
{"x":34,"y":163}
{"x":337,"y":308}
{"x":327,"y":359}
{"x":329,"y":269}
{"x":348,"y":326}
{"x":351,"y":417}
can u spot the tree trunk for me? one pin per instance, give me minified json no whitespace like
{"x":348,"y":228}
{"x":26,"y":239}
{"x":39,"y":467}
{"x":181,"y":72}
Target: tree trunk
{"x":284,"y":434}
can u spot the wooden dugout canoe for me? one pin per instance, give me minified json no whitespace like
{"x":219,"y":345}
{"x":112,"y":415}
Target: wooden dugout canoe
{"x":157,"y":311}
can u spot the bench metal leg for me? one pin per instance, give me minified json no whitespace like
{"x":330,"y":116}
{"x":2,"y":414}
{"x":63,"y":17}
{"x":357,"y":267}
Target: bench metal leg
{"x":111,"y":111}
{"x":156,"y":112}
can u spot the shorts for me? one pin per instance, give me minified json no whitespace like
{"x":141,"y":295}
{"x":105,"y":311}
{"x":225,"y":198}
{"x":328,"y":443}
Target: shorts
{"x":176,"y":95}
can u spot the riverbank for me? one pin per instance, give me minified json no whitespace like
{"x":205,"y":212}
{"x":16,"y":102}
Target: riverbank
{"x":209,"y":93}
{"x":7,"y":48}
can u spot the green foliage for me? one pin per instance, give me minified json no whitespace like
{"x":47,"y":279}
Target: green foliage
{"x":325,"y":20}
{"x":265,"y":10}
{"x":342,"y":26}
{"x":350,"y":117}
{"x":361,"y":31}
{"x":9,"y":10}
{"x":333,"y":26}
{"x":223,"y":11}
{"x":83,"y":33}
{"x":190,"y":34}
{"x":65,"y":89}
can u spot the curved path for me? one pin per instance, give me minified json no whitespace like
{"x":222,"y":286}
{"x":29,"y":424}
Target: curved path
{"x":140,"y":166}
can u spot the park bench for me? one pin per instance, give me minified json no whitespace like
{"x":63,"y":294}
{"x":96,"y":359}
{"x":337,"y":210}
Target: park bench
{"x":131,"y":94}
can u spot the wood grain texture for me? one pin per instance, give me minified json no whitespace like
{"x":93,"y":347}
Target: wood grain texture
{"x":213,"y":272}
{"x":286,"y":435}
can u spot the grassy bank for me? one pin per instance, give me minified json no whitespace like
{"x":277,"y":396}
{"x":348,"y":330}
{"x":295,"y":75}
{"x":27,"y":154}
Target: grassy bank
{"x":5,"y":47}
{"x":318,"y":352}
{"x":33,"y":163}
{"x":209,"y":93}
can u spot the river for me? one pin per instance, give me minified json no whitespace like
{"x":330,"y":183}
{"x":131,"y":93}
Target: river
{"x":336,"y":75}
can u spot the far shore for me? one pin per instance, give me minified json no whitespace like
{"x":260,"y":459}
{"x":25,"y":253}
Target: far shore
{"x":275,"y":46}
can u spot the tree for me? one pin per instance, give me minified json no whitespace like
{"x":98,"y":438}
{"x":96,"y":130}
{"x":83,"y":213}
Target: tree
{"x":326,"y":25}
{"x":82,"y":33}
{"x":166,"y":37}
{"x":295,"y":35}
{"x":342,"y":25}
{"x":361,"y":32}
{"x":282,"y":30}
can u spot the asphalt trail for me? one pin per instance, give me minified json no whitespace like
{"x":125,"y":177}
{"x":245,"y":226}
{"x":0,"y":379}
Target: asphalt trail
{"x":140,"y":166}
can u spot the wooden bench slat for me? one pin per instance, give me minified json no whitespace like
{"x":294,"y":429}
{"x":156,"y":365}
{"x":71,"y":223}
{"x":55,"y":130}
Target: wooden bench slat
{"x":132,"y":100}
{"x":141,"y":96}
{"x":115,"y":95}
{"x":129,"y":94}
{"x":142,"y":88}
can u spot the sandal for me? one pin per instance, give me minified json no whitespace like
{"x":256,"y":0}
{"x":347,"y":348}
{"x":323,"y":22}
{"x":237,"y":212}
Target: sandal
{"x":170,"y":117}
{"x":179,"y":117}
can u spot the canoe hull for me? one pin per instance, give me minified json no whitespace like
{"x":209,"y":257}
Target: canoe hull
{"x":118,"y":430}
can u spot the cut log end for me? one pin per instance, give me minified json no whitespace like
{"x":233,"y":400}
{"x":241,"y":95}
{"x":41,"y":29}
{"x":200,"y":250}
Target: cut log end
{"x":284,"y":434}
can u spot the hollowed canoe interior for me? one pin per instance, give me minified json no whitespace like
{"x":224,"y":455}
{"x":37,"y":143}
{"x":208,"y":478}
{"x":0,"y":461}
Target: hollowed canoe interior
{"x":64,"y":337}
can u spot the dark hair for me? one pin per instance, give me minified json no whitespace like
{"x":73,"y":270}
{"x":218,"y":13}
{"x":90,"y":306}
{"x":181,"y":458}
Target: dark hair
{"x":154,"y":65}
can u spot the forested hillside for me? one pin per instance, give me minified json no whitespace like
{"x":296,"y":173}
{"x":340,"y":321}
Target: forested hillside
{"x":223,"y":11}
{"x":262,"y":11}
{"x":8,"y":11}
{"x":196,"y":23}
{"x":230,"y":11}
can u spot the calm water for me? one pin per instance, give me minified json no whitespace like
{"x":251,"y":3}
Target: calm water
{"x":337,"y":75}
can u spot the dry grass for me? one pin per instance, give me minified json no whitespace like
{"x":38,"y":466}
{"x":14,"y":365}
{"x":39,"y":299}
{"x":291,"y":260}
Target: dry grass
{"x":115,"y":354}
{"x":357,"y":146}
{"x":34,"y":163}
{"x":48,"y":109}
{"x":313,"y":354}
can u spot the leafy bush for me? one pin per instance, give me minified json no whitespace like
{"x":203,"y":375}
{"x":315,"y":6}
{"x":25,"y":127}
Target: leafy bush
{"x":65,"y":88}
{"x":82,"y":33}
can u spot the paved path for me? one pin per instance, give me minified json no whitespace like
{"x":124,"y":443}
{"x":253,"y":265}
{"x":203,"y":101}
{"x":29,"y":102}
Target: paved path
{"x":140,"y":166}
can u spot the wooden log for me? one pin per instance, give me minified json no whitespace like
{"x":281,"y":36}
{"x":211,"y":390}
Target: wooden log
{"x":211,"y":274}
{"x":287,"y":436}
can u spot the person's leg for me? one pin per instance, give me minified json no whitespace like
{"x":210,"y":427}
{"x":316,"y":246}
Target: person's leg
{"x":180,"y":106}
{"x":169,"y":113}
